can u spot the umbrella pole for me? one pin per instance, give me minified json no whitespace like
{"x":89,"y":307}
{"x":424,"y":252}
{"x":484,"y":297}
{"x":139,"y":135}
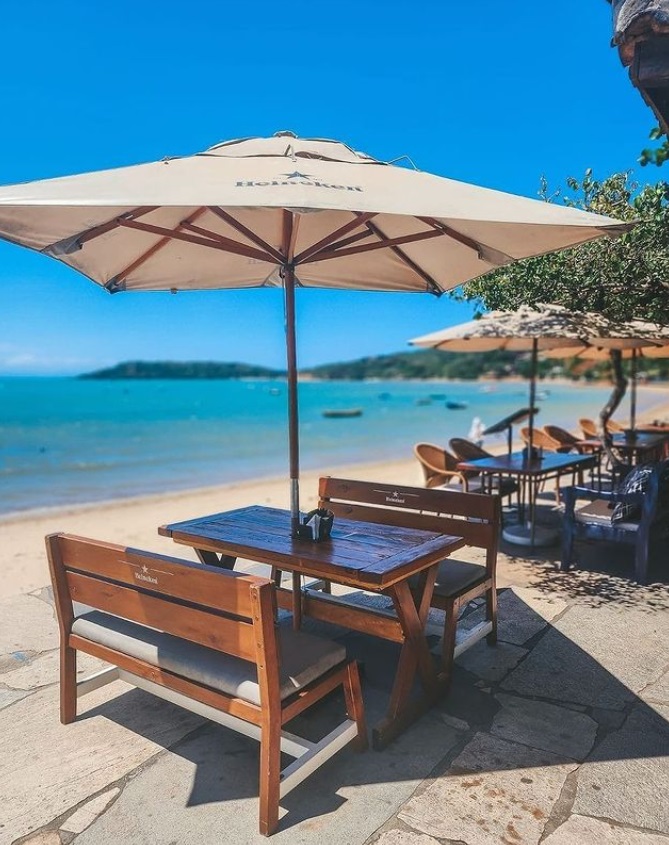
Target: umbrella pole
{"x":533,"y":393}
{"x":293,"y":417}
{"x":633,"y":390}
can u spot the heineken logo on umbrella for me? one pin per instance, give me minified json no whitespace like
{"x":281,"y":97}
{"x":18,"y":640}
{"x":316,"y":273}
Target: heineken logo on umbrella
{"x":296,"y":178}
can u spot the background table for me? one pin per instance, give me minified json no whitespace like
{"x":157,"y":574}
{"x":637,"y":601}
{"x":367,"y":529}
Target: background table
{"x":531,"y":473}
{"x":643,"y":446}
{"x":370,"y":556}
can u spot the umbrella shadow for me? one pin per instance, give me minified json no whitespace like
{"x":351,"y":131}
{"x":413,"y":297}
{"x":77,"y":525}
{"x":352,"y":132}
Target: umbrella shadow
{"x":539,"y":690}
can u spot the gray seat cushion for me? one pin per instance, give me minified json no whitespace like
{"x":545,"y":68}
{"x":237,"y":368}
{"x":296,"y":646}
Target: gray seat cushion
{"x":304,"y":657}
{"x":455,"y":576}
{"x":599,"y":513}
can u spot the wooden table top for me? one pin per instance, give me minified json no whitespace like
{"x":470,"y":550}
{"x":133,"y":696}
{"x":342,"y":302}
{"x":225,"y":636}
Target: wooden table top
{"x":517,"y":464}
{"x":358,"y":553}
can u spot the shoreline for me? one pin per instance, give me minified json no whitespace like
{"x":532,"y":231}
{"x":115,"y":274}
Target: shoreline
{"x":134,"y":521}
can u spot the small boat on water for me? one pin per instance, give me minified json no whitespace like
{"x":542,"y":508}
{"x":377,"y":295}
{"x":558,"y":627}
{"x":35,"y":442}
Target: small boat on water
{"x":456,"y":406}
{"x":342,"y":413}
{"x":424,"y":401}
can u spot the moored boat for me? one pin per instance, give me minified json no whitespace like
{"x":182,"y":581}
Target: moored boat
{"x":341,"y":413}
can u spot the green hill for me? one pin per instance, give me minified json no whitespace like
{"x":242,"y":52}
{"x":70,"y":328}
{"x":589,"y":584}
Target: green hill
{"x":182,"y":370}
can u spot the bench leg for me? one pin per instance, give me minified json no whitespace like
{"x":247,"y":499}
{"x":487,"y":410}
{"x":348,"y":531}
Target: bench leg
{"x":491,"y":614}
{"x":68,"y":684}
{"x":354,"y":705}
{"x":270,"y":775}
{"x":448,"y":642}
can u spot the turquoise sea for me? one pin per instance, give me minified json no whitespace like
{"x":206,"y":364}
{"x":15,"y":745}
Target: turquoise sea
{"x":64,"y":441}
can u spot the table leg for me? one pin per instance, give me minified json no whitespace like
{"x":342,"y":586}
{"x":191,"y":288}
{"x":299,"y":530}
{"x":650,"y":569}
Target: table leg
{"x":415,"y":658}
{"x":297,"y":601}
{"x":213,"y":559}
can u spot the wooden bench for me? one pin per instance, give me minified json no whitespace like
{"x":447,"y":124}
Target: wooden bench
{"x":476,"y":517}
{"x":205,"y":639}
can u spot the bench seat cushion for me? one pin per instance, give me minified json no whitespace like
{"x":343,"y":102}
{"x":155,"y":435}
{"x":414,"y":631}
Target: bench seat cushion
{"x":455,"y":577}
{"x":304,"y":657}
{"x":599,"y":513}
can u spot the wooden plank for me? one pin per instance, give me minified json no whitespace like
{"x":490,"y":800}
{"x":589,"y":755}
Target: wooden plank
{"x":477,"y":534}
{"x":337,"y":611}
{"x":412,"y":499}
{"x":211,"y":587}
{"x":199,"y":626}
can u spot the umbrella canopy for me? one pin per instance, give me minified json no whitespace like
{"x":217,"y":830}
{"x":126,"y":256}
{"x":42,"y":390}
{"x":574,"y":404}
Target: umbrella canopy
{"x":550,"y":327}
{"x":650,"y":341}
{"x":284,"y":211}
{"x":216,"y":220}
{"x":539,"y":329}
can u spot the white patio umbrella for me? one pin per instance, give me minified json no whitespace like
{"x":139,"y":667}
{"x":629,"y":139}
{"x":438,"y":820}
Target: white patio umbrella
{"x":289,"y":212}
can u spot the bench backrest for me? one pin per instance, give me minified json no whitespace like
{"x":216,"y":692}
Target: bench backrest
{"x":474,"y":516}
{"x":227,"y":611}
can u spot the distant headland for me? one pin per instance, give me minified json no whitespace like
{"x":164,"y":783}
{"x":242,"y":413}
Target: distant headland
{"x":419,"y":364}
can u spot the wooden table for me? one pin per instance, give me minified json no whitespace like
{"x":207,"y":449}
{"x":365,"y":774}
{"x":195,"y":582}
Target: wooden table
{"x":370,"y":556}
{"x":531,"y":473}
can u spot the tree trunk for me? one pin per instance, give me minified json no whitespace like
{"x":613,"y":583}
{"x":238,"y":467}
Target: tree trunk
{"x":619,"y":389}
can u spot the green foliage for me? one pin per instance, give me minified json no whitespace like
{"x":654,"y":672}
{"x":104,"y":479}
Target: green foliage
{"x":658,"y":155}
{"x":431,"y":363}
{"x":622,"y":277}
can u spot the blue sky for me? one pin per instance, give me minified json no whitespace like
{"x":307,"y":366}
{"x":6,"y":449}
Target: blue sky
{"x":487,"y":92}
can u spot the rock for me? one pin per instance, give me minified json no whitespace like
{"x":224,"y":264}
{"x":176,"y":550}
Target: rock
{"x":545,"y":726}
{"x":45,"y":669}
{"x":207,"y":791}
{"x":580,"y":830}
{"x":506,"y":796}
{"x":44,"y":837}
{"x":626,"y":778}
{"x":27,"y":624}
{"x":491,"y":663}
{"x":521,"y":614}
{"x":9,"y":696}
{"x":404,"y":837}
{"x":576,"y":660}
{"x":89,"y":812}
{"x":47,"y":768}
{"x":657,"y":692}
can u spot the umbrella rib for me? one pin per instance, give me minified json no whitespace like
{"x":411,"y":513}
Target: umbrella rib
{"x":352,"y":239}
{"x":460,"y":238}
{"x":220,"y":243}
{"x":248,"y":233}
{"x":144,"y":257}
{"x":218,"y":238}
{"x":385,"y":244}
{"x":429,"y":281}
{"x":77,"y":241}
{"x":328,"y":240}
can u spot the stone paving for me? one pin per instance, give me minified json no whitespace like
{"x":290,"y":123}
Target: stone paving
{"x":559,"y":735}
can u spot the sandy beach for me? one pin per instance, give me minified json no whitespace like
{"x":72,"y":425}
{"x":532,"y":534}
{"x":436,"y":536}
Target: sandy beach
{"x":135,"y":521}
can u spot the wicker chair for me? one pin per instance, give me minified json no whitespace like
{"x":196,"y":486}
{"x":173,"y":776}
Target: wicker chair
{"x":542,"y":440}
{"x":465,"y":450}
{"x":441,"y":468}
{"x":564,"y":438}
{"x":589,"y":428}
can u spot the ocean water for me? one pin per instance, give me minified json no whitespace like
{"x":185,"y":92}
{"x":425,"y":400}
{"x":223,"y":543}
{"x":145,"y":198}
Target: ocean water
{"x":65,"y":441}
